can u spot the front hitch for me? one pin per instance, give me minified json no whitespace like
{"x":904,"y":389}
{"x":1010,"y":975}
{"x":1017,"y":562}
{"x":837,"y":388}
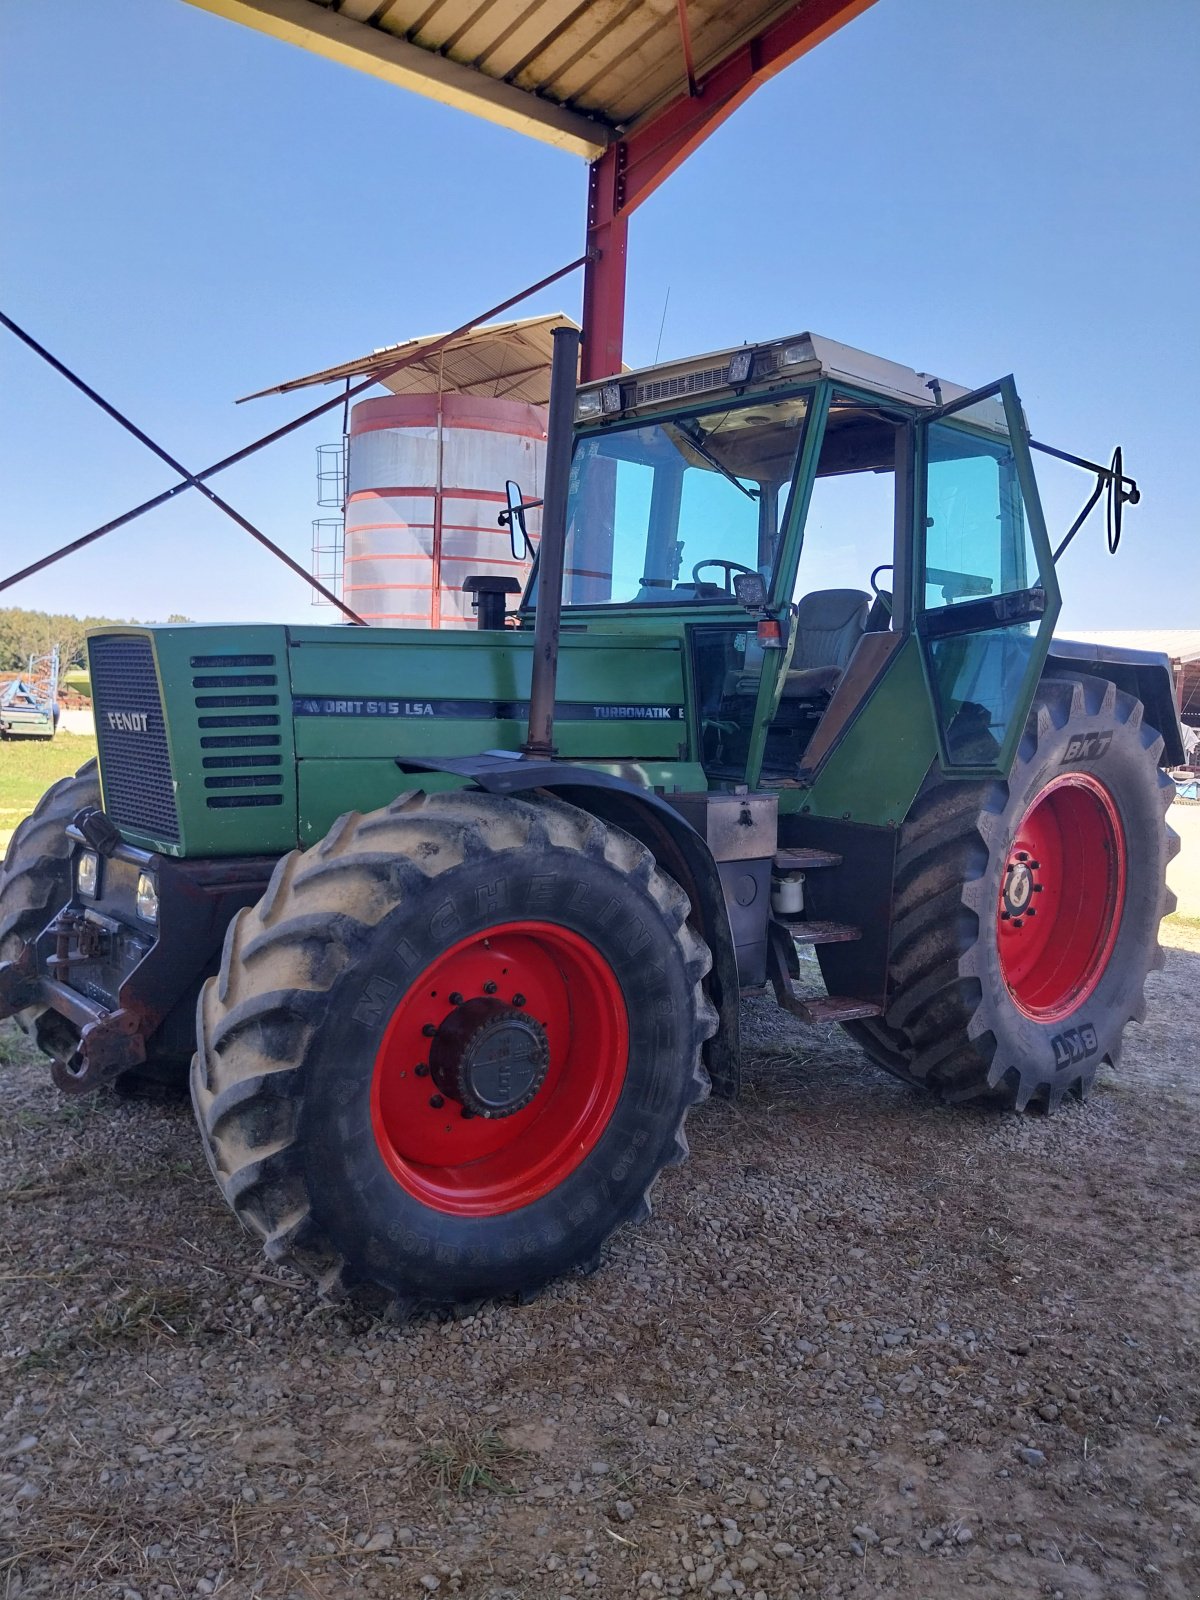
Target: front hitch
{"x":113,"y":1044}
{"x":111,"y":990}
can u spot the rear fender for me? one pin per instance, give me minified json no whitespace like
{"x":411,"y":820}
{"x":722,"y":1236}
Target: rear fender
{"x":1143,"y":673}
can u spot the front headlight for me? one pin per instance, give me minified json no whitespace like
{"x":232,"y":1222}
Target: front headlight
{"x":87,"y":874}
{"x":147,"y":898}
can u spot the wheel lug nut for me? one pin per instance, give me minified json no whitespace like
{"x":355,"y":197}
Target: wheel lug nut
{"x":456,"y":999}
{"x":518,"y":999}
{"x":422,"y":1069}
{"x":429,"y":1030}
{"x":436,"y":1101}
{"x":489,"y":987}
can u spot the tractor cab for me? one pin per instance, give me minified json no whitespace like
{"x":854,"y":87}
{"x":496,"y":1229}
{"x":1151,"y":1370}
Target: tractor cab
{"x":797,"y":512}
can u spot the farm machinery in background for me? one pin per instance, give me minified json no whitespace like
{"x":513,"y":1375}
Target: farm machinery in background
{"x":29,"y":704}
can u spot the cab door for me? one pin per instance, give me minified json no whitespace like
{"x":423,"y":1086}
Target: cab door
{"x":985,"y":593}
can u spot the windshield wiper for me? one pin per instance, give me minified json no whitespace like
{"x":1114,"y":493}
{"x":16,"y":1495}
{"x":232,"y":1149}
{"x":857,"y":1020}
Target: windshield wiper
{"x":696,"y":439}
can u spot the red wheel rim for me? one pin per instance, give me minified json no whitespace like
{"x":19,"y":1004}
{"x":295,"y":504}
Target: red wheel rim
{"x":1061,"y":897}
{"x":470,"y":1165}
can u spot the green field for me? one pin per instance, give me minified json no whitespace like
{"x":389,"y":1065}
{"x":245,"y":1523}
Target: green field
{"x":29,"y":766}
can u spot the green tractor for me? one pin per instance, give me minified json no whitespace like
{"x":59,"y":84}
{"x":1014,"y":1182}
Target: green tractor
{"x":457,"y":924}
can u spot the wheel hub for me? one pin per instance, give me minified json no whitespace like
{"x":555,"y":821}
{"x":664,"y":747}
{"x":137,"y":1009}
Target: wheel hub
{"x":1061,"y":897}
{"x":489,"y":1057}
{"x":500,"y":1068}
{"x":1020,"y":886}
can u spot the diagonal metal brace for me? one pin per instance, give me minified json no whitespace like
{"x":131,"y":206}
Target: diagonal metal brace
{"x":190,"y":480}
{"x":196,"y":480}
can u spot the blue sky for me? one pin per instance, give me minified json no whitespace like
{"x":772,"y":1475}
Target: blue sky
{"x":192,"y":211}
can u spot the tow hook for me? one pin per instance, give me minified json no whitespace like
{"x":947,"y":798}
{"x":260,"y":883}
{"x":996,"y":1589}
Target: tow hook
{"x":107,"y":1048}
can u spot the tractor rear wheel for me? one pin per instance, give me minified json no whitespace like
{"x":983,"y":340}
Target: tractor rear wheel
{"x":452,"y":1047}
{"x":35,"y":879}
{"x":1026,"y":913}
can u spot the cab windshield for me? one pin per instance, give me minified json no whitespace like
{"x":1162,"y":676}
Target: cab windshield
{"x":668,"y":511}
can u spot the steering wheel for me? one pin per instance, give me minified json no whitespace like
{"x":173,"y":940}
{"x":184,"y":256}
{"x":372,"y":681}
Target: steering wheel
{"x":730,"y":568}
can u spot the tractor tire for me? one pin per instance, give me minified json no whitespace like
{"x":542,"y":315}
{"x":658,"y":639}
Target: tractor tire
{"x":452,"y":1047}
{"x":35,"y":879}
{"x":1026,"y":912}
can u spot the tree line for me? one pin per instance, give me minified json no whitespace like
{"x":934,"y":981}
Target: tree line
{"x":35,"y":633}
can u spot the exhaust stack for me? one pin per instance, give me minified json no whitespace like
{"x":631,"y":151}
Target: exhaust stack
{"x":560,"y":428}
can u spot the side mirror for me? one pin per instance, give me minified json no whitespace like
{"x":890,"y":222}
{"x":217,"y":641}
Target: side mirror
{"x":751,"y":590}
{"x":514,"y":518}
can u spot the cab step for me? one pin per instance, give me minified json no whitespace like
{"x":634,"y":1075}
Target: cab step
{"x":809,"y":932}
{"x":836,"y":1008}
{"x":813,"y":1008}
{"x":801,"y":859}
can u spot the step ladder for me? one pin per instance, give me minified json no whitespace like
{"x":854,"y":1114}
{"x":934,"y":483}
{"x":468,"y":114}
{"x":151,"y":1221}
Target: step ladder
{"x":801,"y":930}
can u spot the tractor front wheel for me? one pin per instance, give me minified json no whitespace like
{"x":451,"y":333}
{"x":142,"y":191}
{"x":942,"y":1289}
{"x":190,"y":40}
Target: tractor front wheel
{"x":1026,"y":912}
{"x":452,"y":1047}
{"x":35,"y":879}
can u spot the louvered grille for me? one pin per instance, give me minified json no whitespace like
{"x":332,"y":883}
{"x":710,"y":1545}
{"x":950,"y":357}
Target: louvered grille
{"x":131,"y":730}
{"x":254,"y":775}
{"x":686,"y":383}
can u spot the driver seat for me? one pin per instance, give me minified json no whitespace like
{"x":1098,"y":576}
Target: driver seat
{"x":828,"y":625}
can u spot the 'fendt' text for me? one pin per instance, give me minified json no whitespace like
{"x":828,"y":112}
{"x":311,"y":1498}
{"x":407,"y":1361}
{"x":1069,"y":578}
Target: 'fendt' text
{"x":128,"y":721}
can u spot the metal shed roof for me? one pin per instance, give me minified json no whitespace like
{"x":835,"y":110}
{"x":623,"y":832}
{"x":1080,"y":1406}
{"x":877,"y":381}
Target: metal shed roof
{"x":508,"y":359}
{"x":1180,"y":644}
{"x":575,"y":73}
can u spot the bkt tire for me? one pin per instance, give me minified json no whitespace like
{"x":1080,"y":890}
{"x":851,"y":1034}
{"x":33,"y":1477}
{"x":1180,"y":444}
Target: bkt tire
{"x":452,"y":1047}
{"x":1026,"y":913}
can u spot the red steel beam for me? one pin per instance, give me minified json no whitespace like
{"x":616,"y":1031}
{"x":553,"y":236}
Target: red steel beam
{"x":633,"y":167}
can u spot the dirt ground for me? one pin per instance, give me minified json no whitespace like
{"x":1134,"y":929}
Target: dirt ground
{"x":865,"y":1346}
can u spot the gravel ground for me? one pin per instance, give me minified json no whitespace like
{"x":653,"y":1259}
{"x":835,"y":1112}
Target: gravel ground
{"x":866,"y":1346}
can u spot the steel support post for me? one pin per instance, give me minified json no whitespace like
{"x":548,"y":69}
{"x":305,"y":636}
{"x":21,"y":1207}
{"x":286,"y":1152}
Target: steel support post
{"x":633,"y":166}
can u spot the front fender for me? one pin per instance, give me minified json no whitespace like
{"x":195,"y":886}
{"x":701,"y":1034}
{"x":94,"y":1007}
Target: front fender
{"x":675,"y":845}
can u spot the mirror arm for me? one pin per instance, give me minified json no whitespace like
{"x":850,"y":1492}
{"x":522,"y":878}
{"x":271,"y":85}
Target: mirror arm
{"x":1122,"y":491}
{"x":1080,"y":519}
{"x":505,"y":517}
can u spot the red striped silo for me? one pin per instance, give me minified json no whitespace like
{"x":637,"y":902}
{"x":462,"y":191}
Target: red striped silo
{"x":425,"y":483}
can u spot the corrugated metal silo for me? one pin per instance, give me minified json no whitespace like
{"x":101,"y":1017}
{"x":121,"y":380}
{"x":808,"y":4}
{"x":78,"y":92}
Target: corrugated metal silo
{"x":425,"y":485}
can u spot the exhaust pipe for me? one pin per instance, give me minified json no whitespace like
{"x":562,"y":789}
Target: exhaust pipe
{"x":559,"y":432}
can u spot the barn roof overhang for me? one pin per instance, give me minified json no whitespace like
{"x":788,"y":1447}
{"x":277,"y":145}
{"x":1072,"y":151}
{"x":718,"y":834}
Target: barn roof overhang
{"x":579,"y":74}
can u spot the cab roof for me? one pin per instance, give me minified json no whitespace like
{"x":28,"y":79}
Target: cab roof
{"x":742,"y":367}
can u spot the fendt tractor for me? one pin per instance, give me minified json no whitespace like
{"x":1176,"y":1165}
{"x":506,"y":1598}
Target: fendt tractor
{"x":453,"y":927}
